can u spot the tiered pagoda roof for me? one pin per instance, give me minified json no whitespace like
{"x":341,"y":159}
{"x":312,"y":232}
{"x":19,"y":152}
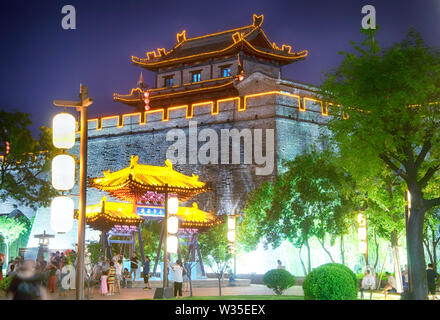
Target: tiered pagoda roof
{"x":251,"y":39}
{"x":105,"y":215}
{"x":134,"y":182}
{"x":248,"y":40}
{"x":194,"y":218}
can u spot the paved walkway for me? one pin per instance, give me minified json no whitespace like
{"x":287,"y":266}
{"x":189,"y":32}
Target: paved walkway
{"x":254,"y":289}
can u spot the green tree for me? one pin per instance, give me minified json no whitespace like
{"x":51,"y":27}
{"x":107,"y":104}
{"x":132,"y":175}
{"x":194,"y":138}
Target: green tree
{"x":10,"y":230}
{"x":385,"y":205}
{"x":390,"y":97}
{"x":23,"y":169}
{"x":214,"y":249}
{"x":312,"y":198}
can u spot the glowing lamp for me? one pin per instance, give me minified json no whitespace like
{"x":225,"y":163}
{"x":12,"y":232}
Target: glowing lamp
{"x":173,"y":224}
{"x":231,"y":235}
{"x":240,"y":77}
{"x":231,"y":223}
{"x":147,"y":108}
{"x":173,"y":205}
{"x":146,"y":94}
{"x":362,"y":232}
{"x":363,"y":247}
{"x":63,"y":126}
{"x":172,"y":244}
{"x":147,"y":101}
{"x":61,"y":214}
{"x":63,"y":172}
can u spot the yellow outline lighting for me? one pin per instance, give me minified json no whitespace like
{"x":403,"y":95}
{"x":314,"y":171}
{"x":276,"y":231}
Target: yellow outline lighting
{"x":130,"y":115}
{"x":225,"y":100}
{"x":193,"y":90}
{"x":162,"y":52}
{"x":215,"y":107}
{"x":175,"y":108}
{"x":181,"y":37}
{"x":190,"y":113}
{"x":271,"y":92}
{"x":324,"y":113}
{"x":154,"y":111}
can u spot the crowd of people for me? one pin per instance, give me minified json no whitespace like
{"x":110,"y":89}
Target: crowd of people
{"x":370,"y":282}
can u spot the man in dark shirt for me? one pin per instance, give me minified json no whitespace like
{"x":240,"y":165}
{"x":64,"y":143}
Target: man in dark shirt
{"x":134,"y":265}
{"x":431,"y":276}
{"x":146,"y":273}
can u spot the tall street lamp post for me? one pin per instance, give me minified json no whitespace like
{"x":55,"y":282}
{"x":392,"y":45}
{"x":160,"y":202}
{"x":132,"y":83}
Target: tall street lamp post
{"x":81,"y":106}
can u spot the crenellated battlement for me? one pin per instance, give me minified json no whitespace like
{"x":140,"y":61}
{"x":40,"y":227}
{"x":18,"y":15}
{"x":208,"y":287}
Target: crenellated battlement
{"x":209,"y":112}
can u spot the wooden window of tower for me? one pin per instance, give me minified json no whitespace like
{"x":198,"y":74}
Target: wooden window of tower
{"x":168,"y":81}
{"x":225,"y":71}
{"x":196,"y":76}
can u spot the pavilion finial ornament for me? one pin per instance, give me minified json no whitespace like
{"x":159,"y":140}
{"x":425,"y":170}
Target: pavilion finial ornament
{"x":195,"y":206}
{"x":195,"y":177}
{"x":133,"y":161}
{"x":258,"y":20}
{"x":168,"y":163}
{"x":181,"y":36}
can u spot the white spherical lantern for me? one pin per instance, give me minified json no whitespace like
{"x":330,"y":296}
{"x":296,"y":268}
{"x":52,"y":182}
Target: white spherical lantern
{"x":61,"y":214}
{"x":173,"y":205}
{"x":173,"y":224}
{"x":63,"y":127}
{"x":231,"y":223}
{"x":231,"y":235}
{"x":63,"y":172}
{"x":172,"y":244}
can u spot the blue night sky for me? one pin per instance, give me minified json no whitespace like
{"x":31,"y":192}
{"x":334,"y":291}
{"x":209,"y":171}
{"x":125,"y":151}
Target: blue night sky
{"x":40,"y":61}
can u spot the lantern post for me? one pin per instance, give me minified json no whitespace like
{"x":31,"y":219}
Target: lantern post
{"x":81,"y":106}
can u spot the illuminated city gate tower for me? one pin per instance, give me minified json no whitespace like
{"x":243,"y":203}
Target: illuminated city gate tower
{"x":207,"y":85}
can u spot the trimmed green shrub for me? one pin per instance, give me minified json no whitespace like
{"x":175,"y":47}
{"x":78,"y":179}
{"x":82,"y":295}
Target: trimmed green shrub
{"x":330,"y":282}
{"x":279,"y":280}
{"x":346,"y":269}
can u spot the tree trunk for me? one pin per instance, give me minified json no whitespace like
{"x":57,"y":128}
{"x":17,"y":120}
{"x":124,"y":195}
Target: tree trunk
{"x":219,"y":276}
{"x":376,"y":260}
{"x":397,"y":271}
{"x":341,"y":247}
{"x":309,"y":263}
{"x":302,"y":262}
{"x":326,"y":251}
{"x":416,"y":256}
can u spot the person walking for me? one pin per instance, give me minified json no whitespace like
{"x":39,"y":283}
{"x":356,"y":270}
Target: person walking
{"x":368,"y":283}
{"x":178,"y":277}
{"x":27,"y":284}
{"x":146,"y":273}
{"x":104,"y":285}
{"x":111,"y":279}
{"x":431,"y":277}
{"x":52,"y":268}
{"x":134,"y":263}
{"x":118,"y":267}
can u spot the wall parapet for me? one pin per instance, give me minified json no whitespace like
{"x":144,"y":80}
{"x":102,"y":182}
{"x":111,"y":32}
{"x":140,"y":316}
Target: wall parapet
{"x":172,"y":116}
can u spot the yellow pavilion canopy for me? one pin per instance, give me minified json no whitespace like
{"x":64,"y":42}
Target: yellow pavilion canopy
{"x":133,"y":182}
{"x":194,"y":218}
{"x":105,"y":215}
